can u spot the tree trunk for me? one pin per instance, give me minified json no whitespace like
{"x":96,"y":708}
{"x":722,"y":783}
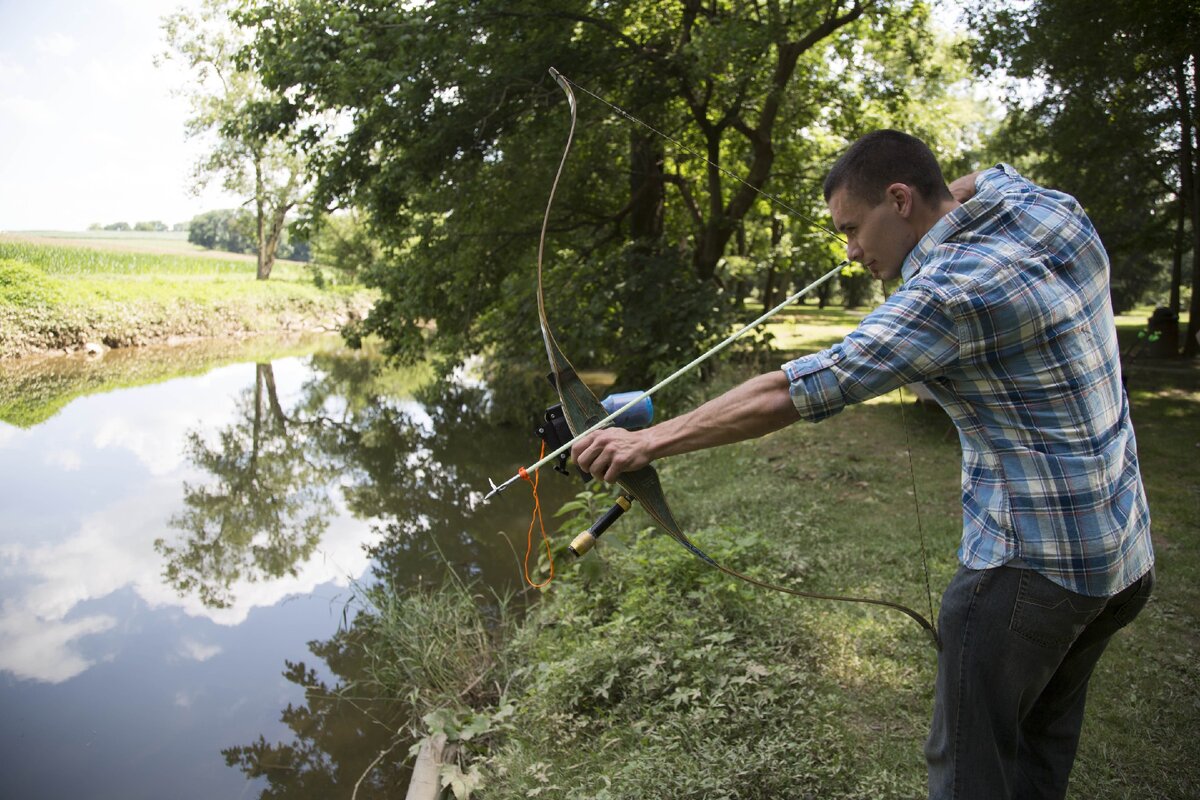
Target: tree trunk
{"x":256,"y":437}
{"x":769,"y":284}
{"x":1177,"y":256}
{"x":260,"y":202}
{"x":270,"y":221}
{"x":646,"y":190}
{"x":271,"y":247}
{"x":1191,"y":345}
{"x":266,"y":376}
{"x":824,"y":294}
{"x":719,"y":227}
{"x":724,"y":217}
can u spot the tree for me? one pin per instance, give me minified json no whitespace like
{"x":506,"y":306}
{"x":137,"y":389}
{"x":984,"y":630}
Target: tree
{"x":1116,"y":121}
{"x":450,"y":130}
{"x":223,"y":97}
{"x":230,"y":229}
{"x":344,"y":243}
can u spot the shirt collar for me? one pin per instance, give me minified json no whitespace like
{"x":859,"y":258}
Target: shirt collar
{"x":981,"y":204}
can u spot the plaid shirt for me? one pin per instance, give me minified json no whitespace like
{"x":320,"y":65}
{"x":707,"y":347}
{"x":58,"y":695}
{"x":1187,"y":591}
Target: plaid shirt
{"x":1004,"y":314}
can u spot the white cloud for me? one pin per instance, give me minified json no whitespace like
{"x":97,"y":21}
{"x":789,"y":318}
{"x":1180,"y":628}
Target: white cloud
{"x":33,"y":647}
{"x":10,"y":71}
{"x":24,"y":112}
{"x":79,"y":90}
{"x":107,"y":547}
{"x":10,"y":434}
{"x":112,"y":551}
{"x":66,"y":460}
{"x":198,"y":651}
{"x":55,"y":45}
{"x":145,"y":442}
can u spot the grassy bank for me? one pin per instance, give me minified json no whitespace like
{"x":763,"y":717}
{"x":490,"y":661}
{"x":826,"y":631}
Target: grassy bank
{"x":644,"y":673}
{"x":60,"y":294}
{"x":32,"y":390}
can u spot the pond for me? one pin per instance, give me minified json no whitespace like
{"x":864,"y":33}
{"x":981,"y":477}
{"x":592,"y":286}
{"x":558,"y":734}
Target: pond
{"x":183,"y":533}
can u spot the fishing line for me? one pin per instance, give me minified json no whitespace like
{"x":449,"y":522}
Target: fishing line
{"x":537,"y":520}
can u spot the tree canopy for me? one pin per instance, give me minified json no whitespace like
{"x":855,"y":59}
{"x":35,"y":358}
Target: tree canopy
{"x":444,"y":128}
{"x":224,"y":95}
{"x":1112,"y":118}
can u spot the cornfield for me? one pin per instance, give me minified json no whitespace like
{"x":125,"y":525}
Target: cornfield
{"x":68,"y":261}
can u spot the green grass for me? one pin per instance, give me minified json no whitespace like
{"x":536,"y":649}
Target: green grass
{"x":838,"y":697}
{"x":643,"y":673}
{"x":55,"y":296}
{"x":74,"y":261}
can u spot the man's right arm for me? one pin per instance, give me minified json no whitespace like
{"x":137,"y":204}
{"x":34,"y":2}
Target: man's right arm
{"x":963,"y":189}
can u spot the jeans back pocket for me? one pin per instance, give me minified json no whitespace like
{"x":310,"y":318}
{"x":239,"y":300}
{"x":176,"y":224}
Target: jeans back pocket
{"x":1049,"y":615}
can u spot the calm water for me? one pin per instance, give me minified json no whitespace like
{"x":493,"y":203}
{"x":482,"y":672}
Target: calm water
{"x":177,"y":556}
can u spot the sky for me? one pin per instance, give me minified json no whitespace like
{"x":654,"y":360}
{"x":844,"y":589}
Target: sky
{"x":89,"y":129}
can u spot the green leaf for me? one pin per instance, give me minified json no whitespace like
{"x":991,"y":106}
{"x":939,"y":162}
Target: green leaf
{"x":477,"y":725}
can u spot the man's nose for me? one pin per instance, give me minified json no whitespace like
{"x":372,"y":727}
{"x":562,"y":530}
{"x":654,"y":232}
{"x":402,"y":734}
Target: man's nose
{"x":854,"y":252}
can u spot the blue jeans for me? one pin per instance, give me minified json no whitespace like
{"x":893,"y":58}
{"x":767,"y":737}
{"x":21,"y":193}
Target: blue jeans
{"x":1017,"y":653}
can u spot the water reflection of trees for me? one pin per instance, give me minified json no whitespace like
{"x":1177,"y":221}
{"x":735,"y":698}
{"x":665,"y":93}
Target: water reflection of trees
{"x":335,"y":737}
{"x":266,"y":508}
{"x":411,"y":467}
{"x":410,"y":464}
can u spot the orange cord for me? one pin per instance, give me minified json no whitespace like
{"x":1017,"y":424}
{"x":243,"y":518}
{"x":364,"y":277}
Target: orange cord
{"x":537,"y":519}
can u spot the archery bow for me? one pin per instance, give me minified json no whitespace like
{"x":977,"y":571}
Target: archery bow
{"x":584,"y":412}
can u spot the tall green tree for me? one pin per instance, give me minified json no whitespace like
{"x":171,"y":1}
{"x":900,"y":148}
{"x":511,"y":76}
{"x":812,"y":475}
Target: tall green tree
{"x":449,"y":130}
{"x":1115,"y":121}
{"x":223,"y":95}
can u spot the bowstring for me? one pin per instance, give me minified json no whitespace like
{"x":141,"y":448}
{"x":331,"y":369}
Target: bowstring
{"x":835,"y":235}
{"x":912,"y":474}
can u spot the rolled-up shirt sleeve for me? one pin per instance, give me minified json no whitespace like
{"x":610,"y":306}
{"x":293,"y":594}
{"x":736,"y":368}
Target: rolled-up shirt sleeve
{"x":910,"y":338}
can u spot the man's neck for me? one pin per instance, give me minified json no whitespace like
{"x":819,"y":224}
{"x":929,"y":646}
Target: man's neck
{"x":925,"y":217}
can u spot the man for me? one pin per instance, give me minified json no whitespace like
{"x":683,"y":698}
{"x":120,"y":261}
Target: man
{"x":1004,"y":314}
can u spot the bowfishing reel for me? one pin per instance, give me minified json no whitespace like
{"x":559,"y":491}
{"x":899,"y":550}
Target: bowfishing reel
{"x":555,"y":432}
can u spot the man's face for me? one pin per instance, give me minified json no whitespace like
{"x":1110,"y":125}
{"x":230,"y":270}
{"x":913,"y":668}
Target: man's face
{"x":879,"y":237}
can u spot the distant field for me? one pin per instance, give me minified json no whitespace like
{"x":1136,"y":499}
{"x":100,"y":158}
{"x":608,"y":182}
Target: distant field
{"x":173,"y":242}
{"x":130,"y":253}
{"x":61,"y":291}
{"x":805,"y":328}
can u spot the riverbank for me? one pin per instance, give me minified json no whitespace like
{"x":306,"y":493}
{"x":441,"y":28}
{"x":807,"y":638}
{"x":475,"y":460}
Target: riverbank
{"x":642,"y":672}
{"x":67,"y":294}
{"x":36,"y":387}
{"x":656,"y":676}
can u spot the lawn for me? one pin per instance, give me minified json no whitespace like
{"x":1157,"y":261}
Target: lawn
{"x":644,"y":673}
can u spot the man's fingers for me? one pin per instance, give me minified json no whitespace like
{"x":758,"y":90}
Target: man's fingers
{"x":596,"y":455}
{"x":580,"y":452}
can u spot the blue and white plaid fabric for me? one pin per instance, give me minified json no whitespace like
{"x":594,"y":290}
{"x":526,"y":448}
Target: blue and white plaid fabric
{"x":1004,"y":314}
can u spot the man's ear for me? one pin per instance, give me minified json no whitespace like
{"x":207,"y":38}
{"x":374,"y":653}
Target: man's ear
{"x":900,"y":196}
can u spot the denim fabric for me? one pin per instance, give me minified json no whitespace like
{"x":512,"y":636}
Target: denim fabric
{"x":1018,"y":651}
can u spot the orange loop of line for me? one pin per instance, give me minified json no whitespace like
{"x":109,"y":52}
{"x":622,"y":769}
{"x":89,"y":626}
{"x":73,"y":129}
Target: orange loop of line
{"x":537,"y":519}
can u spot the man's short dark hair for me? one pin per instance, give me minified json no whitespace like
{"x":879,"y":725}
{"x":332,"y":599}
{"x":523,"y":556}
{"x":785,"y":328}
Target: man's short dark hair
{"x":882,"y":158}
